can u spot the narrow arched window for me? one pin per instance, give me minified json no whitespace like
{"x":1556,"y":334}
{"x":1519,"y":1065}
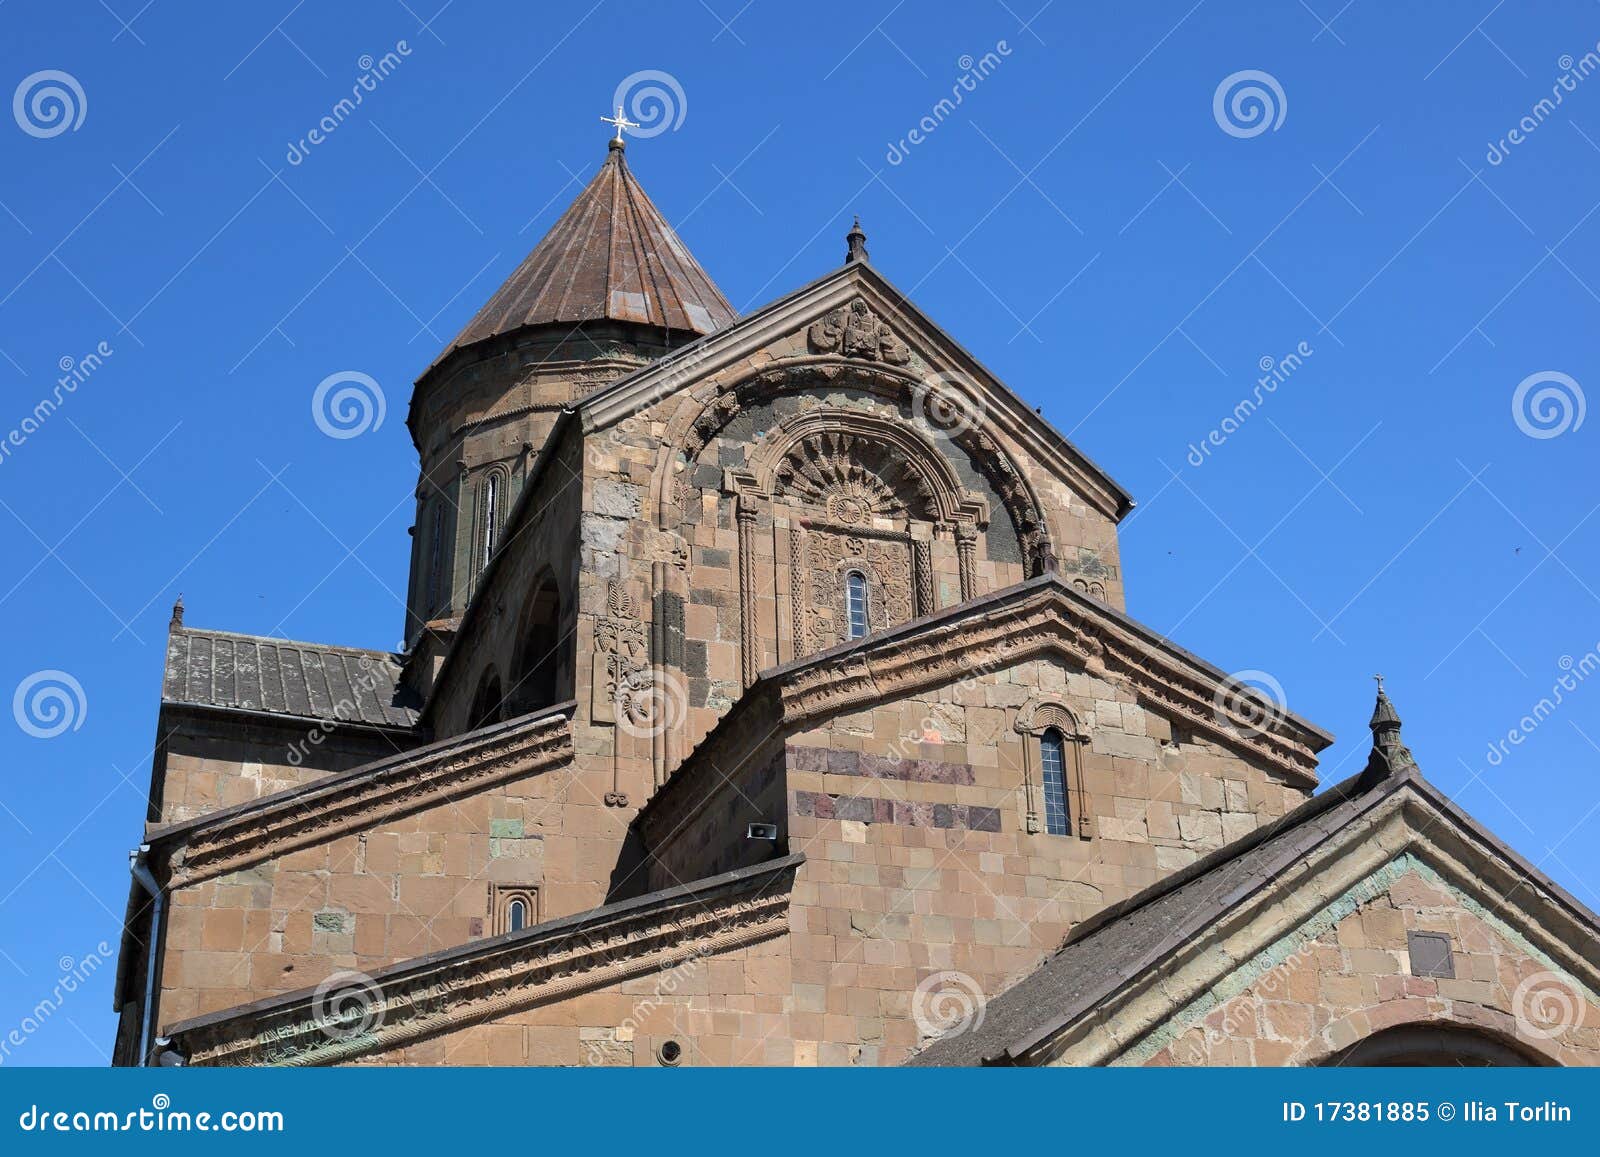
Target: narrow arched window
{"x":1053,"y":764}
{"x":435,"y":557}
{"x":855,"y":603}
{"x":516,"y":916}
{"x":491,"y":516}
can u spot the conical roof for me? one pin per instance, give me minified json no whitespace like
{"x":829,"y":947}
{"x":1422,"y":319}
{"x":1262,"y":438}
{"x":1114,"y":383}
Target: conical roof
{"x":611,"y":257}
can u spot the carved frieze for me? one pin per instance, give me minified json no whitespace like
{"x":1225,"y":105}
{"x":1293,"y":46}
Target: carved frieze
{"x":856,"y":331}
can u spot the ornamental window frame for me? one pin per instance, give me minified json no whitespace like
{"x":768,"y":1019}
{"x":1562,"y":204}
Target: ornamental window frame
{"x":1035,"y":720}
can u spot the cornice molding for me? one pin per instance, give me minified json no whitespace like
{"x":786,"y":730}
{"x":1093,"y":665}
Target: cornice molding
{"x":362,"y":798}
{"x":1036,"y":622}
{"x":480,"y":982}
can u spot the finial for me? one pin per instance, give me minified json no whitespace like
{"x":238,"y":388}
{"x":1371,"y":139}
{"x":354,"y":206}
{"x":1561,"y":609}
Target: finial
{"x":177,"y":615}
{"x":621,"y":122}
{"x":856,"y":239}
{"x":1390,"y":755}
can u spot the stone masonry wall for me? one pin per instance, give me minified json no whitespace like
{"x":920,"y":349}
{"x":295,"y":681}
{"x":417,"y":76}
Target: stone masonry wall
{"x":397,"y":891}
{"x":1355,"y":978}
{"x":913,"y":820}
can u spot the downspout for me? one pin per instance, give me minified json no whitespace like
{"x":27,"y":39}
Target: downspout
{"x":140,"y":868}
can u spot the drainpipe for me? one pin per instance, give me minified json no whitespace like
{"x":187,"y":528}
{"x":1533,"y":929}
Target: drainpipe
{"x":140,"y":868}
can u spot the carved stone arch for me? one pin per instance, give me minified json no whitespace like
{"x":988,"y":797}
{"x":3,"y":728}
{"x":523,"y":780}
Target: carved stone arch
{"x":1034,"y":718}
{"x":704,"y":412}
{"x":896,"y":465}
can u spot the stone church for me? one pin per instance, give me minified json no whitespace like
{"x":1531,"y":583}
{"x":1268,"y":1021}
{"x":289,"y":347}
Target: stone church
{"x":769,"y":698}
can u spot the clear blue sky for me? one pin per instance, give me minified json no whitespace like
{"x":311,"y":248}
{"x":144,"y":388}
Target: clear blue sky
{"x":1082,"y":222}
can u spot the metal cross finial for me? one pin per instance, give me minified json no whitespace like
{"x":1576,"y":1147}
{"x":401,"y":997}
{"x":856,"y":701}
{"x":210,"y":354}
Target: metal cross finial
{"x":621,"y":121}
{"x":1379,"y":678}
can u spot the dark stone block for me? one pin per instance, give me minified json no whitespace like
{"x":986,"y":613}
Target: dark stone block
{"x":944,"y":815}
{"x":844,"y":762}
{"x":807,"y":758}
{"x":706,"y":477}
{"x":711,"y":556}
{"x":805,"y":803}
{"x":853,"y":807}
{"x":983,"y":819}
{"x":694,"y":658}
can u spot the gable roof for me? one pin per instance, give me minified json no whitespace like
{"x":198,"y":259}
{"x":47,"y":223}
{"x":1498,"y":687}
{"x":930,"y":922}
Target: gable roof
{"x":1037,"y":616}
{"x":610,"y":257}
{"x":277,"y":677}
{"x":484,"y":979}
{"x":1126,"y":941}
{"x":836,"y":288}
{"x":333,"y":805}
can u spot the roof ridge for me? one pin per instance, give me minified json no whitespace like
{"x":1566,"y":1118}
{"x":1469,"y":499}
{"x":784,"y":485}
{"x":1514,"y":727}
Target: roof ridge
{"x":278,"y":642}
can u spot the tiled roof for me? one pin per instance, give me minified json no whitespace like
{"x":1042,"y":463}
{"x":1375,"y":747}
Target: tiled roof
{"x":611,"y":256}
{"x":279,"y":677}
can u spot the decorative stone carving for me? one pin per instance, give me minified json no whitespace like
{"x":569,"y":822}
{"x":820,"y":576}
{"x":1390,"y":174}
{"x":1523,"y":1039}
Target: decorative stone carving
{"x":621,"y":653}
{"x":922,"y":559}
{"x":885,"y":561}
{"x":856,"y":332}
